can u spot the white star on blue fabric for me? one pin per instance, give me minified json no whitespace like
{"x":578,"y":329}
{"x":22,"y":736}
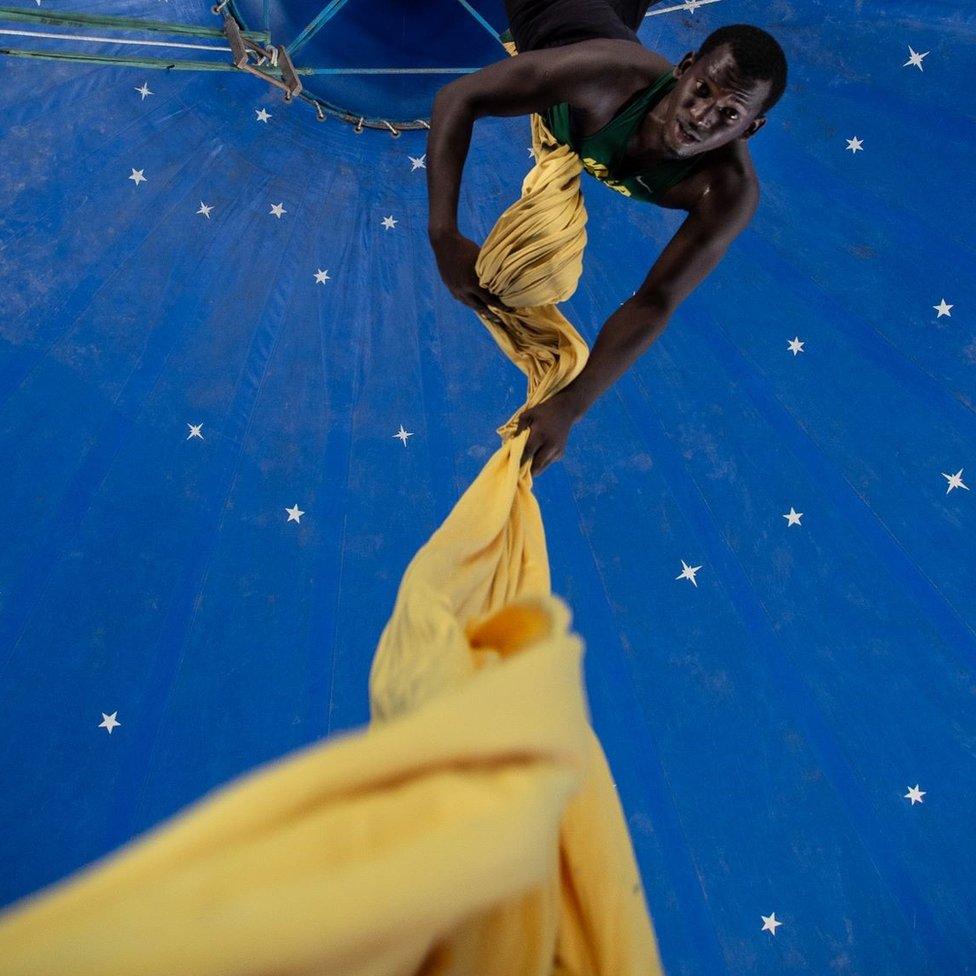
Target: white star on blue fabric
{"x":688,"y":572}
{"x":915,"y":58}
{"x":769,"y":923}
{"x":955,"y":481}
{"x":295,"y":514}
{"x":205,"y":209}
{"x":915,"y":794}
{"x":854,"y":145}
{"x":263,"y":115}
{"x":795,"y":345}
{"x":943,"y":309}
{"x":793,"y":517}
{"x":194,"y":431}
{"x":419,"y":162}
{"x":321,"y":277}
{"x":403,"y":435}
{"x":144,"y":91}
{"x":109,"y":722}
{"x":389,"y":223}
{"x":278,"y":209}
{"x":137,"y":176}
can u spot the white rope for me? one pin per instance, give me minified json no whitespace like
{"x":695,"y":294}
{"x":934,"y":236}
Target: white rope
{"x":113,"y":40}
{"x":680,"y":6}
{"x":273,"y":57}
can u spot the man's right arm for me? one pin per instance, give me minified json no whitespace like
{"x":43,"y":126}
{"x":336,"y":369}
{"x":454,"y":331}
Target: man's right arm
{"x":529,"y":82}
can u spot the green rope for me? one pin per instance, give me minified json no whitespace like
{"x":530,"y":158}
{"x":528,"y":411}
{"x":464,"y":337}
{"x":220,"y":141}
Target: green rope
{"x":136,"y":62}
{"x":122,"y":23}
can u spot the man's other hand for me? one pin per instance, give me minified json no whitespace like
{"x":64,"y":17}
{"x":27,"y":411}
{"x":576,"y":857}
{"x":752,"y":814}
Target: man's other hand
{"x":550,"y":424}
{"x":456,"y":256}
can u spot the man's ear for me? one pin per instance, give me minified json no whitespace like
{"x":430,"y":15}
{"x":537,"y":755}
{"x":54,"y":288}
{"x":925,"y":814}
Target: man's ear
{"x":753,"y":127}
{"x":684,"y":64}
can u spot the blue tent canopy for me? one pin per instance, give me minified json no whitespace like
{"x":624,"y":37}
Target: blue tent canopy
{"x":236,"y":398}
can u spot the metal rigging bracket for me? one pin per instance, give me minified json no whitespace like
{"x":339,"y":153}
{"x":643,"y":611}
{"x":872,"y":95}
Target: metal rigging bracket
{"x":242,"y":47}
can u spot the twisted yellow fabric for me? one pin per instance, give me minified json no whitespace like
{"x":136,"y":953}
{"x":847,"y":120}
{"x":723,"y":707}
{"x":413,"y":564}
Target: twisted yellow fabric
{"x":473,"y":828}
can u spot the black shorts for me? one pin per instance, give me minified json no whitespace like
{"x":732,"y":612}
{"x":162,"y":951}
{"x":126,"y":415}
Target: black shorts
{"x":538,"y":24}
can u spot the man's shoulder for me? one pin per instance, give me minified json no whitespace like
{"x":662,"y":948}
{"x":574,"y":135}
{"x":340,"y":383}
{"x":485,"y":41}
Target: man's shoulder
{"x":732,"y":174}
{"x":622,"y":56}
{"x":731,"y":163}
{"x":730,"y":193}
{"x":726,"y":173}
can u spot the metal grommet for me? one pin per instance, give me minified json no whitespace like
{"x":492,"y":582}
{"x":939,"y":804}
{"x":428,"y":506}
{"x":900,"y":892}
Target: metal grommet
{"x":392,"y":128}
{"x":359,"y":126}
{"x":287,"y":96}
{"x":217,"y":7}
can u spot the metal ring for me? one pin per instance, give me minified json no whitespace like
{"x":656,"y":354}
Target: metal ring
{"x":319,"y":114}
{"x":392,"y":128}
{"x":359,"y":126}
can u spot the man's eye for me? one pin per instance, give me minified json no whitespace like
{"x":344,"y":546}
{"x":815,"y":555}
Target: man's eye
{"x":732,"y":115}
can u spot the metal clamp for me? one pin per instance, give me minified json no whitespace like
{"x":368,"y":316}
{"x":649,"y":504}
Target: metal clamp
{"x":242,"y":47}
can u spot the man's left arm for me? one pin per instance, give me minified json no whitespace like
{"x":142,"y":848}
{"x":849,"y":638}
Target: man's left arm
{"x":701,"y":241}
{"x":718,"y":217}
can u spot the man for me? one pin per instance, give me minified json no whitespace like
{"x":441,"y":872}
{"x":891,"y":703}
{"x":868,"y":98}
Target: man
{"x":673,"y":135}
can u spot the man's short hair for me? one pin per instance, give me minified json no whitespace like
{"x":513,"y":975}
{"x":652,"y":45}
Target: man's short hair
{"x":757,"y":55}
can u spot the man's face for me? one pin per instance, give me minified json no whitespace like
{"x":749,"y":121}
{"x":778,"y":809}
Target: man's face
{"x":711,"y":104}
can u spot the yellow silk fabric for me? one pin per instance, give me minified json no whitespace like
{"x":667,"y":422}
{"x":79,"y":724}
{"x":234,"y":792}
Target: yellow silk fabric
{"x":473,"y":828}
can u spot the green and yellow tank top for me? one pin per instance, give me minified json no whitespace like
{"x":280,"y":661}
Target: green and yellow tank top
{"x":601,"y":151}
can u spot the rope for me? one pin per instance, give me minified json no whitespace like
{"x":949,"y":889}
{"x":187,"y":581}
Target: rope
{"x":680,"y":6}
{"x":127,"y":62}
{"x":390,"y":71}
{"x":204,"y":65}
{"x":329,"y":11}
{"x":481,"y":20}
{"x":121,"y":23}
{"x":114,"y":40}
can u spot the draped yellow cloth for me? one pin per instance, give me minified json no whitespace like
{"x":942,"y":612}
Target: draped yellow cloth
{"x":473,"y":828}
